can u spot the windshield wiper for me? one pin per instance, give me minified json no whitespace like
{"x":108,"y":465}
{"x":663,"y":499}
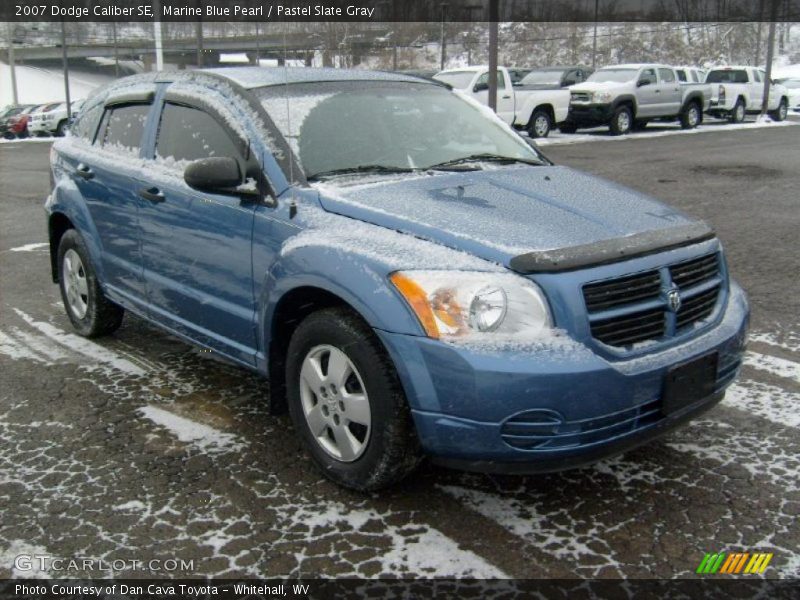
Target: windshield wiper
{"x":498,"y":158}
{"x":360,"y":169}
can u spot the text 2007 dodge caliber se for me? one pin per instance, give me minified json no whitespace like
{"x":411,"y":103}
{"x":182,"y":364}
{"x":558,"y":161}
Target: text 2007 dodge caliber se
{"x":412,"y":276}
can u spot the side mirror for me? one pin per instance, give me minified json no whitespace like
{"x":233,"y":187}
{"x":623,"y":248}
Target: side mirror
{"x":644,"y":81}
{"x":214,"y":174}
{"x":480,"y":87}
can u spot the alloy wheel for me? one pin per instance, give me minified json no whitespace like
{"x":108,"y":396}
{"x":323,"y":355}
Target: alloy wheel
{"x":75,"y":284}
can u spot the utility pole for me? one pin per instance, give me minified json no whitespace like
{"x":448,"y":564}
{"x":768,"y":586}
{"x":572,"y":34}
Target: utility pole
{"x":157,"y":35}
{"x":258,"y":48}
{"x":10,"y":34}
{"x":116,"y":49}
{"x":443,"y":41}
{"x":594,"y":37}
{"x":199,"y":44}
{"x":493,"y":18}
{"x":66,"y":68}
{"x":770,"y":55}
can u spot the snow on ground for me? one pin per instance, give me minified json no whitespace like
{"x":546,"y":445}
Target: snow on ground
{"x":36,"y":85}
{"x":205,"y":437}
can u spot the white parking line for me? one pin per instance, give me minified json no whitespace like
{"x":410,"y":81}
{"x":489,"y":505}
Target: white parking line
{"x":772,"y":364}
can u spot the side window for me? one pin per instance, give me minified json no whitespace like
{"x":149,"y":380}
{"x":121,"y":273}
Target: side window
{"x":124,"y":125}
{"x":86,"y":125}
{"x":501,"y":82}
{"x":186,"y":133}
{"x":681,"y":74}
{"x":757,"y":75}
{"x":648,"y":74}
{"x":666,"y":75}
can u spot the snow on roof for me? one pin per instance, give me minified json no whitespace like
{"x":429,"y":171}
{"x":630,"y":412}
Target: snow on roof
{"x":252,"y":77}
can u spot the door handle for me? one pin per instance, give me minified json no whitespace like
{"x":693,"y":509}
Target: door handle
{"x":153,"y":194}
{"x":506,"y":97}
{"x":83,"y":171}
{"x":657,"y":91}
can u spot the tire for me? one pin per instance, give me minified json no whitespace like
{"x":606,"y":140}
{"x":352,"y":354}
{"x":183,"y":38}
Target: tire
{"x":738,"y":113}
{"x":540,"y":124}
{"x":61,"y":129}
{"x":379,"y":446}
{"x":91,"y":313}
{"x":690,"y":116}
{"x":621,"y":122}
{"x":781,"y":112}
{"x":568,"y":128}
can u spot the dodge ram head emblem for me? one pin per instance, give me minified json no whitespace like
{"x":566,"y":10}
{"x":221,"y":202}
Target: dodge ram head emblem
{"x":674,"y":300}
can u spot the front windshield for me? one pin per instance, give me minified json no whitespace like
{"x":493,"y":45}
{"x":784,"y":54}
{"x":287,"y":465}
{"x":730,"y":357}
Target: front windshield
{"x":613,"y":75}
{"x":457,"y":79}
{"x":542,"y":78}
{"x":339,"y":126}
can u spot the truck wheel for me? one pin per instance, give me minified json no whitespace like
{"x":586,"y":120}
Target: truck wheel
{"x":91,"y":313}
{"x":62,"y":128}
{"x":621,"y":122}
{"x":690,"y":116}
{"x":781,"y":112}
{"x":738,"y":112}
{"x":568,"y":128}
{"x":347,"y":404}
{"x":540,"y":124}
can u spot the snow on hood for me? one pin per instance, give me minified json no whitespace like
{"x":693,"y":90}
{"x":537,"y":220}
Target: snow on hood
{"x":596,"y":86}
{"x":501,"y":213}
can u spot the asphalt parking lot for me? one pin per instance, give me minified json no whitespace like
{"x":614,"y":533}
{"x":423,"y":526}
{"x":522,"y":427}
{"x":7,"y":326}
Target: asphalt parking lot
{"x":140,"y":447}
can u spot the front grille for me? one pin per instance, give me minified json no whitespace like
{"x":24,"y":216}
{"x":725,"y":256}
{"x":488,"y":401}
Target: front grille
{"x":634,"y":308}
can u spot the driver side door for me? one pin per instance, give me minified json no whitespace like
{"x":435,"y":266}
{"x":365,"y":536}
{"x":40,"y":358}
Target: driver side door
{"x":197,"y":246}
{"x":648,"y":94}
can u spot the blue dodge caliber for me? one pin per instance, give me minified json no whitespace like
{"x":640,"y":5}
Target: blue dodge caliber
{"x":412,"y":276}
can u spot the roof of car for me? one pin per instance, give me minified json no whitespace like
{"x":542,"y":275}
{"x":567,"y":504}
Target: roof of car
{"x":253,"y":77}
{"x":635,"y":66}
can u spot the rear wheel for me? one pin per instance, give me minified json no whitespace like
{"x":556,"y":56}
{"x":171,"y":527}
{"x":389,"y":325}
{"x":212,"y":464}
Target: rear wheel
{"x":690,"y":116}
{"x":622,"y":121}
{"x":738,"y":113}
{"x":90,"y":312}
{"x":780,"y":113}
{"x":540,"y":124}
{"x":346,"y":402}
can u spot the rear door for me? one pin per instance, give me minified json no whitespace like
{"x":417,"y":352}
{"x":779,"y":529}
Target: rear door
{"x":671,"y":93}
{"x":106,"y":179}
{"x":197,"y":246}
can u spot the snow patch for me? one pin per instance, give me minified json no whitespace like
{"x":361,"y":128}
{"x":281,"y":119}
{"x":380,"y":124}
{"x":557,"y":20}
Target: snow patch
{"x":30,"y":247}
{"x":772,"y":364}
{"x":204,"y":437}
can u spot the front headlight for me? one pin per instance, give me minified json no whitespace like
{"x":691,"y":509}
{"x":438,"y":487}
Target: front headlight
{"x":458,"y":304}
{"x":602,"y":97}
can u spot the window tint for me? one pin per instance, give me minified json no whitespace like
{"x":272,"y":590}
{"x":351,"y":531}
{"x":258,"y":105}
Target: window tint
{"x":681,"y":74}
{"x":757,"y":75}
{"x":86,"y":125}
{"x":189,"y":134}
{"x":125,"y":125}
{"x":666,"y":75}
{"x":501,"y":82}
{"x":648,"y":74}
{"x":727,"y":76}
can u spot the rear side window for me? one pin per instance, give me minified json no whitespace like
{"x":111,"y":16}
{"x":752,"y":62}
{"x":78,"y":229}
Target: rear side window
{"x":681,"y":74}
{"x":86,"y":125}
{"x":757,"y":75}
{"x":727,"y":76}
{"x":666,"y":75}
{"x":187,"y":133}
{"x":124,"y":125}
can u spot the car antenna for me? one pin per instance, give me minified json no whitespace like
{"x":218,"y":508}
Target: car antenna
{"x":293,"y":202}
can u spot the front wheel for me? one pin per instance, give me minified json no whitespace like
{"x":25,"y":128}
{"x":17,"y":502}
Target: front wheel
{"x":540,"y":124}
{"x":347,"y":404}
{"x":781,"y":112}
{"x":622,"y":121}
{"x":90,"y":312}
{"x":738,"y":113}
{"x":690,"y":116}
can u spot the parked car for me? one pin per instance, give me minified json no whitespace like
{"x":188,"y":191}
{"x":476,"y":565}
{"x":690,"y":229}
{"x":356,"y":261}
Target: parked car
{"x":739,"y":91}
{"x":552,"y":78}
{"x":16,"y":125}
{"x":536,"y":111}
{"x":413,"y":277}
{"x":517,"y":74}
{"x":626,"y":97}
{"x":52,"y":119}
{"x":792,"y":91}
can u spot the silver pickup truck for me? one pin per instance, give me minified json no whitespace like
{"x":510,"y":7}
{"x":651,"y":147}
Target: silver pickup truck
{"x":626,"y":97}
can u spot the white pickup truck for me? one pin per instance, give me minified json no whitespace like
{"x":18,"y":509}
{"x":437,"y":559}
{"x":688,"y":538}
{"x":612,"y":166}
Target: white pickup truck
{"x":738,"y":91}
{"x":536,"y":109}
{"x":53,"y":119}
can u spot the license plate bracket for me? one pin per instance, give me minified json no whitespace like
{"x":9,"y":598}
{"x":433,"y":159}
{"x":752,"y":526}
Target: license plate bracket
{"x":689,"y":382}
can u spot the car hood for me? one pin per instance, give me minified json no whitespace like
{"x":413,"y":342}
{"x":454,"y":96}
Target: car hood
{"x":555,"y":216}
{"x":596,"y":86}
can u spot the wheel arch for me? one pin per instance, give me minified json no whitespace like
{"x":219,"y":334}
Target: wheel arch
{"x":57,"y":225}
{"x":544,"y":107}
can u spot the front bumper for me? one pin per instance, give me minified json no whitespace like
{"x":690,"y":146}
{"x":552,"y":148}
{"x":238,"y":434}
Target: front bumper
{"x":589,"y":115}
{"x":550,"y":406}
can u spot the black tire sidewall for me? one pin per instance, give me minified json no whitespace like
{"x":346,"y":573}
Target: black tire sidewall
{"x":734,"y":113}
{"x":387,"y":402}
{"x":532,"y":129}
{"x":614,"y":125}
{"x":72,"y":240}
